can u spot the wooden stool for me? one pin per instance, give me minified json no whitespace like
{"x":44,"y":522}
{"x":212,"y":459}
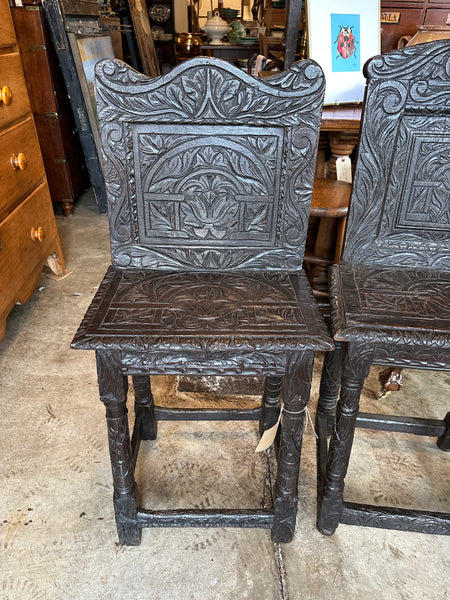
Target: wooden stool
{"x":329,"y":208}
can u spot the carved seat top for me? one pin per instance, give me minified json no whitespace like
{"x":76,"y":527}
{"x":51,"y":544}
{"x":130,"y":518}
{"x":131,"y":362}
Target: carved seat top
{"x":207,"y":168}
{"x":156,"y":310}
{"x":391,"y":304}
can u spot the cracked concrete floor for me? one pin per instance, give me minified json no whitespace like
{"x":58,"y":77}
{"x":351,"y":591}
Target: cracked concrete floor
{"x":57,"y":533}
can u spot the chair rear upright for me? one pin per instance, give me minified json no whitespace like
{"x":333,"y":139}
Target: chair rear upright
{"x":208,"y":168}
{"x":400,"y":205}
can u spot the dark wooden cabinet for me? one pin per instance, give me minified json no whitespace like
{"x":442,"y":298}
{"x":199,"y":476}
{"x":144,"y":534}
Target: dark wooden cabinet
{"x":58,"y":138}
{"x":403,"y":17}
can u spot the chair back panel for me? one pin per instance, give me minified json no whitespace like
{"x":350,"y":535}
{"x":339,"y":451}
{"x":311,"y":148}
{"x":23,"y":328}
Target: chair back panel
{"x":208,"y":168}
{"x":400,"y":205}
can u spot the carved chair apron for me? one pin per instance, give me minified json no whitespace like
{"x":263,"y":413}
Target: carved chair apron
{"x":209,"y":177}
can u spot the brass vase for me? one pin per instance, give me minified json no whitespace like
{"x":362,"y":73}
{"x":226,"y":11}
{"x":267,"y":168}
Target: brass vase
{"x":188,"y":45}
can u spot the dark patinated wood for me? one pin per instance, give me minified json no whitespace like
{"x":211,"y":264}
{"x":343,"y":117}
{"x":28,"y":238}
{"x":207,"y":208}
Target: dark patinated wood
{"x":270,"y":406}
{"x":209,"y":176}
{"x":144,"y":407}
{"x":296,"y":396}
{"x":390,"y":297}
{"x":113,"y":393}
{"x":330,"y":383}
{"x":400,"y":519}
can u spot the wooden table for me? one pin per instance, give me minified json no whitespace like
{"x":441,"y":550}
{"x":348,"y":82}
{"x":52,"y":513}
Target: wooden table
{"x":339,"y":131}
{"x":339,"y":134}
{"x":345,"y":117}
{"x":228,"y":51}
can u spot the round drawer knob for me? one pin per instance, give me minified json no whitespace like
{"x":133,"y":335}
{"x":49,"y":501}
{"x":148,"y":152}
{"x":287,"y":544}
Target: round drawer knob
{"x":37,"y":234}
{"x":18,"y":162}
{"x":5,"y":95}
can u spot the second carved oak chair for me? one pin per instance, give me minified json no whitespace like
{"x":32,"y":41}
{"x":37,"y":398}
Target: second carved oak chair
{"x":390,"y":296}
{"x":209,"y":177}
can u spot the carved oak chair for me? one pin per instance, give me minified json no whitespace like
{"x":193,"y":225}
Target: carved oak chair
{"x":390,"y":295}
{"x":209,"y":177}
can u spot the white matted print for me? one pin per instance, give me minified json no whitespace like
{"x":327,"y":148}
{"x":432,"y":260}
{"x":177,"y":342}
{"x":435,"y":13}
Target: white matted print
{"x":341,"y":39}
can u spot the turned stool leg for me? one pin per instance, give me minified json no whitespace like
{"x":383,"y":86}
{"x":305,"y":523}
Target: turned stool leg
{"x":270,"y":406}
{"x":330,"y":383}
{"x":144,"y":407}
{"x":357,"y":361}
{"x":113,"y":393}
{"x":296,"y":395}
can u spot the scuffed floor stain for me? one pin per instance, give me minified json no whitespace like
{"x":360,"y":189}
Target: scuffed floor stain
{"x":11,"y":524}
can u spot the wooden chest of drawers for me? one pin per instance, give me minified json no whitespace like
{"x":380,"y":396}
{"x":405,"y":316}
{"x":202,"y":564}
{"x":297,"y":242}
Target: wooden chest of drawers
{"x":28,"y":233}
{"x":403,"y":17}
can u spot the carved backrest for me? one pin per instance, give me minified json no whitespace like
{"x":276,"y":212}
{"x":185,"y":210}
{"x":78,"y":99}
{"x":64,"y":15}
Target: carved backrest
{"x":400,"y":205}
{"x":207,"y":168}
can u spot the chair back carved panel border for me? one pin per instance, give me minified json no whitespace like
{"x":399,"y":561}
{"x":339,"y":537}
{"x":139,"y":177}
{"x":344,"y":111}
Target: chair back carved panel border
{"x":193,"y":160}
{"x":400,"y":205}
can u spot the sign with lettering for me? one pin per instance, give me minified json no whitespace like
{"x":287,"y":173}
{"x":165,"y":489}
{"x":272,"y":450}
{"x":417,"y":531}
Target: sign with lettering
{"x":391,"y":18}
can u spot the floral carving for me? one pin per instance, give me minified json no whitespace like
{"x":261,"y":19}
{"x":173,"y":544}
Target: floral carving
{"x":400,"y":209}
{"x":382,"y":302}
{"x":216,"y":189}
{"x":208,"y":156}
{"x":199,"y":312}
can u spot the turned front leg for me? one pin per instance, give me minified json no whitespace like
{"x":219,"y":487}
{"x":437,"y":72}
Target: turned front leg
{"x":113,"y":393}
{"x":296,"y":395}
{"x":356,"y":366}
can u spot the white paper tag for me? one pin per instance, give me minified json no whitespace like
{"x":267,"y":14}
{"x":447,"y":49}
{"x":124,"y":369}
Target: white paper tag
{"x":344,"y":169}
{"x":268,"y":437}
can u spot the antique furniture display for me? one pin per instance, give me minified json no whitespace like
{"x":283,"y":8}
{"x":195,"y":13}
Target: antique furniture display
{"x":61,"y":150}
{"x":209,"y":177}
{"x":28,"y":234}
{"x":390,"y":296}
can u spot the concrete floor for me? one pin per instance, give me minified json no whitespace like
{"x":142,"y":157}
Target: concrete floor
{"x":57,"y":532}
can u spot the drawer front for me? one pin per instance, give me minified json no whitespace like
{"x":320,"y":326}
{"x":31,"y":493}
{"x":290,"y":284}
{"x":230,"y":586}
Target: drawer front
{"x":7,"y":33}
{"x":19,"y":141}
{"x":19,"y":253}
{"x":11,"y":76}
{"x":438,"y":16}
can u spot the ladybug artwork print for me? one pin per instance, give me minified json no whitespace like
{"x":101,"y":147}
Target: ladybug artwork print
{"x":346,"y":43}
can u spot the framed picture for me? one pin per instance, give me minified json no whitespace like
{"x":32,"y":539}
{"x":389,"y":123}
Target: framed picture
{"x":341,"y":38}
